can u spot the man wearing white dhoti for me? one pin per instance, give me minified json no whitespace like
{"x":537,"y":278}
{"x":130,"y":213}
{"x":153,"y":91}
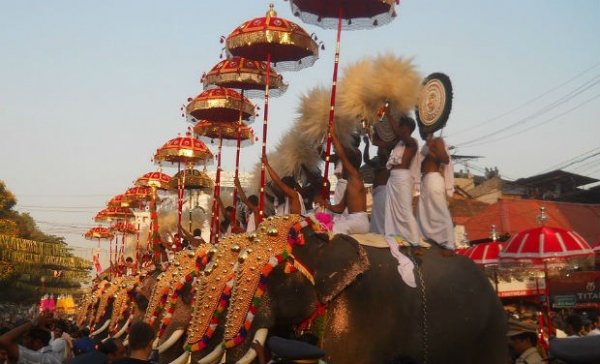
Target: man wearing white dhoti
{"x":399,"y":218}
{"x":437,"y":181}
{"x":380,"y":178}
{"x":355,"y":197}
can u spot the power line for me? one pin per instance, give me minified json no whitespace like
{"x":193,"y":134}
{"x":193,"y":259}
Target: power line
{"x":538,"y":113}
{"x":482,"y":142}
{"x":527,"y":103}
{"x":557,"y":166}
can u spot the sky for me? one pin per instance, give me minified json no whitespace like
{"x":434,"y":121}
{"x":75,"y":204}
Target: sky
{"x":89,"y":90}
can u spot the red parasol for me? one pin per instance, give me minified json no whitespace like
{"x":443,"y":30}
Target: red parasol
{"x":220,"y":104}
{"x":117,"y":201}
{"x":250,"y":78}
{"x":540,"y":247}
{"x":273,"y":40}
{"x":137,"y":195}
{"x":245,"y":75}
{"x":113,"y":213}
{"x":544,"y":244}
{"x":359,"y":14}
{"x":223,"y":131}
{"x":484,"y":254}
{"x":155,"y":181}
{"x":98,"y":232}
{"x":187,"y":150}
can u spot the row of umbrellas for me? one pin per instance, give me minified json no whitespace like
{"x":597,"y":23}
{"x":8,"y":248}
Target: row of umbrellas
{"x":257,"y":50}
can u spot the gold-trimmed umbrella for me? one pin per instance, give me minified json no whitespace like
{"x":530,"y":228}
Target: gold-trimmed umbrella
{"x":156,"y":181}
{"x":220,"y":104}
{"x":99,"y":233}
{"x":228,"y":131}
{"x":194,"y":180}
{"x":113,"y":213}
{"x":358,"y":14}
{"x":245,"y":75}
{"x":250,"y":78}
{"x":183,"y":149}
{"x":223,"y":131}
{"x":280,"y":42}
{"x":137,"y":195}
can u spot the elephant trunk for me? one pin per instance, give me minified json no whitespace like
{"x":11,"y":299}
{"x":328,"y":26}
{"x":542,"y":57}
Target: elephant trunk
{"x":261,"y":337}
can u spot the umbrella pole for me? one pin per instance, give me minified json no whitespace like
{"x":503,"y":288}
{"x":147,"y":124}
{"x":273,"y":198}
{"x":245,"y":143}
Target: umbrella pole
{"x":190,"y":212}
{"x":237,"y":160}
{"x":547,"y":294}
{"x":155,"y":237}
{"x":217,"y":194}
{"x":110,"y":264}
{"x":180,"y":182}
{"x":264,"y":141}
{"x":324,"y":189}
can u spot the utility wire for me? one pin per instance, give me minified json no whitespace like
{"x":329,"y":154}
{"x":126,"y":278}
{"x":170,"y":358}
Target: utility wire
{"x":485,"y":142}
{"x":536,"y":114}
{"x":527,"y":103}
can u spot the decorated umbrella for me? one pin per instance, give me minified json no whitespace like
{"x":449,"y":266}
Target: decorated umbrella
{"x":543,"y":247}
{"x":137,"y":197}
{"x":155,"y":181}
{"x":273,"y":40}
{"x":110,"y":214}
{"x":484,"y":254}
{"x":342,"y":14}
{"x":186,"y":150}
{"x":99,"y":233}
{"x":225,"y":105}
{"x":194,"y":180}
{"x":229,"y":132}
{"x":250,"y":78}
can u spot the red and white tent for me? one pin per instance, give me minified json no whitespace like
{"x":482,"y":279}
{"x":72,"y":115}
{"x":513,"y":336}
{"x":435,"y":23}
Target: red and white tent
{"x":544,"y":244}
{"x":484,"y":254}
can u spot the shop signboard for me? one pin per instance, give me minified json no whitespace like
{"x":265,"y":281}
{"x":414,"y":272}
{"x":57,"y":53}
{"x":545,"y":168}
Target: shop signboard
{"x":576,"y":290}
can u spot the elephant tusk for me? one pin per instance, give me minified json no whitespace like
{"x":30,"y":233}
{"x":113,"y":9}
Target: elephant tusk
{"x":126,"y":341}
{"x":102,"y":328}
{"x":170,"y":341}
{"x":213,"y":356}
{"x":261,"y":337}
{"x":123,"y":329}
{"x":155,"y":343}
{"x":182,"y":359}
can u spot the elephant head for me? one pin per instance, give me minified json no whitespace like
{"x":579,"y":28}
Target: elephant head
{"x":369,"y":315}
{"x":123,"y":306}
{"x":102,"y":315}
{"x":178,"y":311}
{"x":212,"y":298}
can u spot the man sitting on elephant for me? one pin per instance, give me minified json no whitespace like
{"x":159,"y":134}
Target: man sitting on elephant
{"x":355,"y":196}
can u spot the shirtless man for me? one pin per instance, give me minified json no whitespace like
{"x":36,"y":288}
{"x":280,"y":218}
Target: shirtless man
{"x":380,"y":178}
{"x":399,"y":218}
{"x":433,"y":215}
{"x":355,"y":196}
{"x":294,"y":203}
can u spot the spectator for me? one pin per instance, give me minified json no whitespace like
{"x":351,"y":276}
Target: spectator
{"x":35,"y":337}
{"x":108,"y":352}
{"x":83,"y":344}
{"x":61,"y":342}
{"x":141,"y":336}
{"x":523,"y":339}
{"x":596,"y":321}
{"x":574,"y":325}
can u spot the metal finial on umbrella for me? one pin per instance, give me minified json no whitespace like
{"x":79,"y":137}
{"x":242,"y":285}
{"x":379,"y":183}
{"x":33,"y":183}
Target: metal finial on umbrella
{"x":542,"y":217}
{"x":493,"y":233}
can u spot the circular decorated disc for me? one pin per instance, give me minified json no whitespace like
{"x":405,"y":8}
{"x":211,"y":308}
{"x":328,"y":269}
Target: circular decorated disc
{"x":435,"y":103}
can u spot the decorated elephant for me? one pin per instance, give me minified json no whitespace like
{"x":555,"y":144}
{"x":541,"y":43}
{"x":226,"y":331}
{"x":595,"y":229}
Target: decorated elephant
{"x":291,"y":276}
{"x":103,"y":308}
{"x":125,"y":305}
{"x":169,"y":309}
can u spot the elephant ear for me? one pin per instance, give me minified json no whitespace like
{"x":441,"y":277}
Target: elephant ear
{"x":340,"y":262}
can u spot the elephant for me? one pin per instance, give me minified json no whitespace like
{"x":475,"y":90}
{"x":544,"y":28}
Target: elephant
{"x":103,"y":308}
{"x":369,"y":314}
{"x":178,"y":309}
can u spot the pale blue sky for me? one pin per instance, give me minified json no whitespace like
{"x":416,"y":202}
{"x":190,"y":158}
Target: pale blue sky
{"x":88,"y":89}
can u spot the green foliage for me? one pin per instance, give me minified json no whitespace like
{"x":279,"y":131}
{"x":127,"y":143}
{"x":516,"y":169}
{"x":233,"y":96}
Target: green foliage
{"x":34,"y":257}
